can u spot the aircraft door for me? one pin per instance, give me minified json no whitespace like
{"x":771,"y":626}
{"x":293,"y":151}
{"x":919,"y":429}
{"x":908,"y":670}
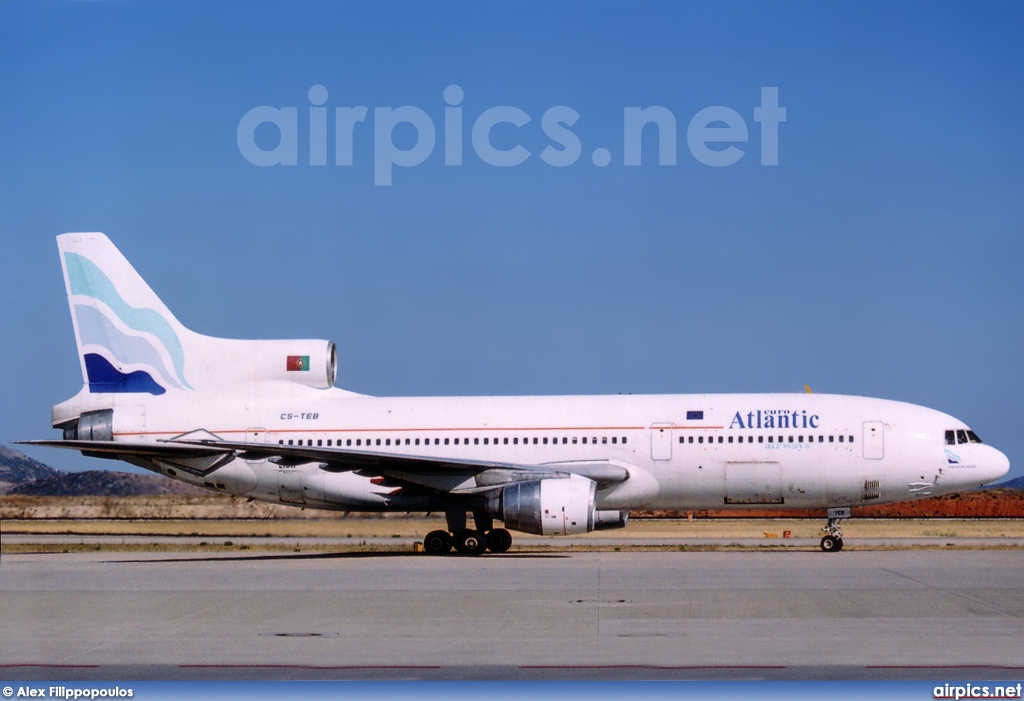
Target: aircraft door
{"x":753,"y":483}
{"x":661,"y":441}
{"x":874,"y":440}
{"x":289,"y":485}
{"x":255,"y":435}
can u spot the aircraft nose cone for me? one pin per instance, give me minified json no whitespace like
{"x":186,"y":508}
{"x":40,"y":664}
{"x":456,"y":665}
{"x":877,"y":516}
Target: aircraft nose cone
{"x":998,"y":465}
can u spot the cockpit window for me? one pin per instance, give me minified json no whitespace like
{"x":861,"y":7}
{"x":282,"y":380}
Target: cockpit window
{"x":950,"y":437}
{"x":973,"y":437}
{"x":961,"y":437}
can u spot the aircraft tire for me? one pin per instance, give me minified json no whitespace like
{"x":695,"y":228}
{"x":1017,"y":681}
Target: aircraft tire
{"x":437,"y":543}
{"x":499,"y":540}
{"x":831,"y":544}
{"x":470,"y":542}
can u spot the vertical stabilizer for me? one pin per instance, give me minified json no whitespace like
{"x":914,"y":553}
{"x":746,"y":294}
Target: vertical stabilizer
{"x":128,"y":341}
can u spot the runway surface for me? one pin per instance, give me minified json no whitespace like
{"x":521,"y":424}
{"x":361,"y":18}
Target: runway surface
{"x":532,"y":542}
{"x":670,"y":615}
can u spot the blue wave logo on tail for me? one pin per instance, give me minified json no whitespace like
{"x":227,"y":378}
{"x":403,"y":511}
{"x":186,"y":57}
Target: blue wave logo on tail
{"x":131,"y":348}
{"x":104,"y":377}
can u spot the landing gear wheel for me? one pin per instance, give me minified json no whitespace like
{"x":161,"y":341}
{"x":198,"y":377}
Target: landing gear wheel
{"x":833,"y":540}
{"x":831,"y":544}
{"x":499,"y":540}
{"x":437,"y":543}
{"x":470,"y":542}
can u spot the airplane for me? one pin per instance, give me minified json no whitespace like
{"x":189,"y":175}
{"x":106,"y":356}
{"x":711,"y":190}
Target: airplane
{"x":263,"y":419}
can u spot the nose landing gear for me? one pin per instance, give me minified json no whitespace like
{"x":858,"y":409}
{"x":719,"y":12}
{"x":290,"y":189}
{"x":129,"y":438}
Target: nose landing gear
{"x":832,"y":542}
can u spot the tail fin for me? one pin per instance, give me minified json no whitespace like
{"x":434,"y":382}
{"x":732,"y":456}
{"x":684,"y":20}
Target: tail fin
{"x":128,"y":341}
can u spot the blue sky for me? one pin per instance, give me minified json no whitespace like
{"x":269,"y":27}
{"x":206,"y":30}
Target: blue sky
{"x":882,"y":256}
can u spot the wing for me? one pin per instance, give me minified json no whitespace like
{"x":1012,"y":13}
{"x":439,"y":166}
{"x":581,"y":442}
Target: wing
{"x":201,"y":452}
{"x":416,"y":469}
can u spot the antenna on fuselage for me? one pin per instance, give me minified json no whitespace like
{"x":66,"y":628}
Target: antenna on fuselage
{"x":807,"y":388}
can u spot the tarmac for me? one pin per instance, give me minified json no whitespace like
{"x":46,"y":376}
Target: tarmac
{"x":784,"y":614}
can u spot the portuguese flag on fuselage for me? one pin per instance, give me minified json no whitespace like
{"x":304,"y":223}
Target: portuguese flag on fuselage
{"x":298,"y":363}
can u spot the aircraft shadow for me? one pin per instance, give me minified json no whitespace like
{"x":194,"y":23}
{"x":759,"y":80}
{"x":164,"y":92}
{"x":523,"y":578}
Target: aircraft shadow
{"x":338,"y":556}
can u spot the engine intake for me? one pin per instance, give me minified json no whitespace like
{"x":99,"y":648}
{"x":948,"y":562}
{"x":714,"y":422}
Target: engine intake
{"x":551,"y":506}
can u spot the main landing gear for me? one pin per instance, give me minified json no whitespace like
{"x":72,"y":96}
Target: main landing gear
{"x":468,"y":541}
{"x":832,"y":542}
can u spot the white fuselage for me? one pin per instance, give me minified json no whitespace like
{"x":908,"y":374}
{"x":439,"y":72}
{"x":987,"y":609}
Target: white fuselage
{"x":681,"y":451}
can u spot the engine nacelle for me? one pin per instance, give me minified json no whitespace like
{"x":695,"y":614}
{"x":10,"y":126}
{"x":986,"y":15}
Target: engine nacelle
{"x":312,"y":363}
{"x":609,"y":520}
{"x":550,"y":506}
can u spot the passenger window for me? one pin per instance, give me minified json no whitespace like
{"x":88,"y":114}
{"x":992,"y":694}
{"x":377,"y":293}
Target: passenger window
{"x":319,"y":442}
{"x":623,"y":439}
{"x":721,"y":439}
{"x":387,"y":441}
{"x":574,"y":439}
{"x":790,"y":439}
{"x":840,"y":439}
{"x":760,"y":439}
{"x":849,"y":439}
{"x":739,"y":439}
{"x":584,"y":440}
{"x":485,"y":441}
{"x":615,"y":439}
{"x":515,"y":441}
{"x":680,"y":439}
{"x":446,"y":441}
{"x":407,"y":441}
{"x":476,"y":441}
{"x":505,"y":441}
{"x":700,"y":439}
{"x":604,"y":440}
{"x":437,"y":441}
{"x":691,"y":439}
{"x":535,"y":440}
{"x":289,"y":441}
{"x":799,"y":439}
{"x":456,"y":441}
{"x":771,"y":439}
{"x":821,"y":439}
{"x":730,"y":439}
{"x":831,"y":438}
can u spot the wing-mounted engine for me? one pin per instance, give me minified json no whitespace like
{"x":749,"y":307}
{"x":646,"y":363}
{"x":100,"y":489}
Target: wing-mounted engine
{"x":551,"y":506}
